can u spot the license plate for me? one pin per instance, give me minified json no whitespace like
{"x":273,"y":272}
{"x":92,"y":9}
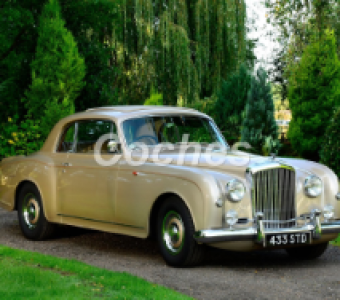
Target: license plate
{"x":276,"y":240}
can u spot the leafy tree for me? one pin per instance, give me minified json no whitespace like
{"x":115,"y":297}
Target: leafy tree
{"x":57,"y":70}
{"x":259,"y":126}
{"x":295,"y":23}
{"x":330,"y":154}
{"x":181,"y":48}
{"x":93,"y":24}
{"x":231,"y":103}
{"x":18,"y":36}
{"x":313,"y":93}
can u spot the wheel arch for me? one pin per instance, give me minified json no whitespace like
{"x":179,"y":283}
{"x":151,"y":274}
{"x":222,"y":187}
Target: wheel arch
{"x":152,"y":225}
{"x":18,"y":189}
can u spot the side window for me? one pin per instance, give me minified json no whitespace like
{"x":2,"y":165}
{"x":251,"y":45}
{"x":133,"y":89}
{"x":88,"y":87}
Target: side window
{"x":89,"y":132}
{"x":67,"y":140}
{"x":81,"y":136}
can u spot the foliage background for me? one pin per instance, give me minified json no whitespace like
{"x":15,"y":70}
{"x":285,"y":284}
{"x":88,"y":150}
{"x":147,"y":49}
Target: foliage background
{"x":314,"y":91}
{"x":172,"y":52}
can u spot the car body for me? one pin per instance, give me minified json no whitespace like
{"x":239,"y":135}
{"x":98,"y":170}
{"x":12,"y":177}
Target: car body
{"x":246,"y":203}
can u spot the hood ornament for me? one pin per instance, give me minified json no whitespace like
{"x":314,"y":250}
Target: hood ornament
{"x":273,"y":155}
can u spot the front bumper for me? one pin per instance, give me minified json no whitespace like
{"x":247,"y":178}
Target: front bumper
{"x":258,"y":233}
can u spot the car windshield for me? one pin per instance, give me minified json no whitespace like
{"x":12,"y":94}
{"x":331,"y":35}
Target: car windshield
{"x":171,"y":129}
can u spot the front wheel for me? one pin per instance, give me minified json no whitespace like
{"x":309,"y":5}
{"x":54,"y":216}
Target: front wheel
{"x":308,"y":252}
{"x":32,"y":221}
{"x":175,"y":235}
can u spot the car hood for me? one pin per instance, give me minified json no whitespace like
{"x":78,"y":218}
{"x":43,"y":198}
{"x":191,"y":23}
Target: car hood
{"x":235,"y":163}
{"x":238,"y":162}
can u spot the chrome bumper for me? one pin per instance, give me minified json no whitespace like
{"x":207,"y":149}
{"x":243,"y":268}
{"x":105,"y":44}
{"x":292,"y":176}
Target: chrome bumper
{"x":258,"y":233}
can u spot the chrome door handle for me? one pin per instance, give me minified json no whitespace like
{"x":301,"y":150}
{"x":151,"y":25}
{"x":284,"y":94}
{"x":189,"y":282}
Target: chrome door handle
{"x":67,"y":164}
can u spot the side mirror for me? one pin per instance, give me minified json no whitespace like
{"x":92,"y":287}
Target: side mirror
{"x":113,"y":147}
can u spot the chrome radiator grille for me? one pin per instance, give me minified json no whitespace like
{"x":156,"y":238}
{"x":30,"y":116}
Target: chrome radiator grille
{"x":274,"y":196}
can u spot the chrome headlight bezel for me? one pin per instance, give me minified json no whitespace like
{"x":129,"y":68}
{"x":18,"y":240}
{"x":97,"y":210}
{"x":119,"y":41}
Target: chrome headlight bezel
{"x":313,"y":186}
{"x":235,"y":190}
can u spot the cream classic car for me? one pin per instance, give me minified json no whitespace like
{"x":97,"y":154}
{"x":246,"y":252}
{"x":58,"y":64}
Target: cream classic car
{"x":93,"y":172}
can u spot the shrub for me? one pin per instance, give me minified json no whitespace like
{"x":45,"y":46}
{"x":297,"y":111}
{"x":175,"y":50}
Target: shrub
{"x":155,"y":98}
{"x":259,"y":126}
{"x":19,"y":138}
{"x":314,"y":90}
{"x":330,"y":146}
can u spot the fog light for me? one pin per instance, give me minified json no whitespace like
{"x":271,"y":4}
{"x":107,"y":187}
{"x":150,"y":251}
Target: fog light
{"x":328,"y":212}
{"x":231,"y":217}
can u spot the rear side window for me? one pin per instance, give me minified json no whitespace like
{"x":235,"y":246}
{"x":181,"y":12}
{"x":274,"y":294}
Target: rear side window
{"x":67,"y":140}
{"x":82,"y":136}
{"x":89,"y":132}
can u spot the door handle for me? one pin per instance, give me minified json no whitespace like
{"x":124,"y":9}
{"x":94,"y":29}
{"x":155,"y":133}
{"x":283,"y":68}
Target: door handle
{"x":67,"y":165}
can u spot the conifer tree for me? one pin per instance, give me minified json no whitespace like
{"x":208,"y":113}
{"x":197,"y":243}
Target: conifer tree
{"x":57,"y":70}
{"x":231,"y":103}
{"x":259,"y":127}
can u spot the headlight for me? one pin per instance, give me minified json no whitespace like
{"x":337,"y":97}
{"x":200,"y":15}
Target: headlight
{"x":313,"y":186}
{"x":328,"y":212}
{"x":235,"y":190}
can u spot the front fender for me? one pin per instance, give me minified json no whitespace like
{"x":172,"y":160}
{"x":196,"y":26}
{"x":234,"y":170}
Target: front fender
{"x":136,"y":194}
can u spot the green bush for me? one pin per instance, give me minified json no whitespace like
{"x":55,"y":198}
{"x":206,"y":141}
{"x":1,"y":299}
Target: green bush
{"x":330,"y":146}
{"x":20,"y":138}
{"x":155,"y":98}
{"x":314,"y":91}
{"x":259,"y":126}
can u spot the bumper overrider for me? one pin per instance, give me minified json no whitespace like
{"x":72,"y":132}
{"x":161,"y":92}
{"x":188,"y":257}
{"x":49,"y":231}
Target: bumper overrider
{"x":258,"y":232}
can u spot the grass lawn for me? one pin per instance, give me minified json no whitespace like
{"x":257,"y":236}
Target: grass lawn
{"x":336,"y":242}
{"x":29,"y":275}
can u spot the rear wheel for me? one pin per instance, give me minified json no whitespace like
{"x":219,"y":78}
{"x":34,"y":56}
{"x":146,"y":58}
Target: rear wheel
{"x":308,"y":252}
{"x":32,"y":221}
{"x":175,"y":235}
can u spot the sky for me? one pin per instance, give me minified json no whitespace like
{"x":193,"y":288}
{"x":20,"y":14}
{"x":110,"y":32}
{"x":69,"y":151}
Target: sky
{"x":266,"y":45}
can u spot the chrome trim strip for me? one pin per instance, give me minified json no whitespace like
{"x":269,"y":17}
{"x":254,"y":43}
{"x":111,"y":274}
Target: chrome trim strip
{"x":331,"y":227}
{"x":250,"y":234}
{"x":296,"y":168}
{"x":255,"y":168}
{"x":99,"y":221}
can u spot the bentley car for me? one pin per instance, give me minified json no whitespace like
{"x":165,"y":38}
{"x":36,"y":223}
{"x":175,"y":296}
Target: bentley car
{"x":92,"y":172}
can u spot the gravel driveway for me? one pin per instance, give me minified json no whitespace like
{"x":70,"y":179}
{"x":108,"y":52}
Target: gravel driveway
{"x":224,"y":275}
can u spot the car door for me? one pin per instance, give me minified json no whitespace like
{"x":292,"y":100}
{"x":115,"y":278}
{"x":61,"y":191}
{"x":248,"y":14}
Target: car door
{"x":86,"y":189}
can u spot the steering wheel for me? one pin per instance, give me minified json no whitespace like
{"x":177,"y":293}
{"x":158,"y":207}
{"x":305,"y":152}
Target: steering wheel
{"x":147,"y":137}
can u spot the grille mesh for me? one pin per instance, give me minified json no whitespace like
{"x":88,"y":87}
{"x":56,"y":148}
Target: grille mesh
{"x":274,"y":196}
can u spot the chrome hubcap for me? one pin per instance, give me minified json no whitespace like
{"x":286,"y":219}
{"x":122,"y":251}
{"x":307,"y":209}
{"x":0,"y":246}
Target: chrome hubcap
{"x":173,"y":232}
{"x":31,"y":211}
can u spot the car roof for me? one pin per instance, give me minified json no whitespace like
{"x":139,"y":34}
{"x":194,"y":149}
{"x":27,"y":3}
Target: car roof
{"x":128,"y":109}
{"x":117,"y":113}
{"x":132,"y":111}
